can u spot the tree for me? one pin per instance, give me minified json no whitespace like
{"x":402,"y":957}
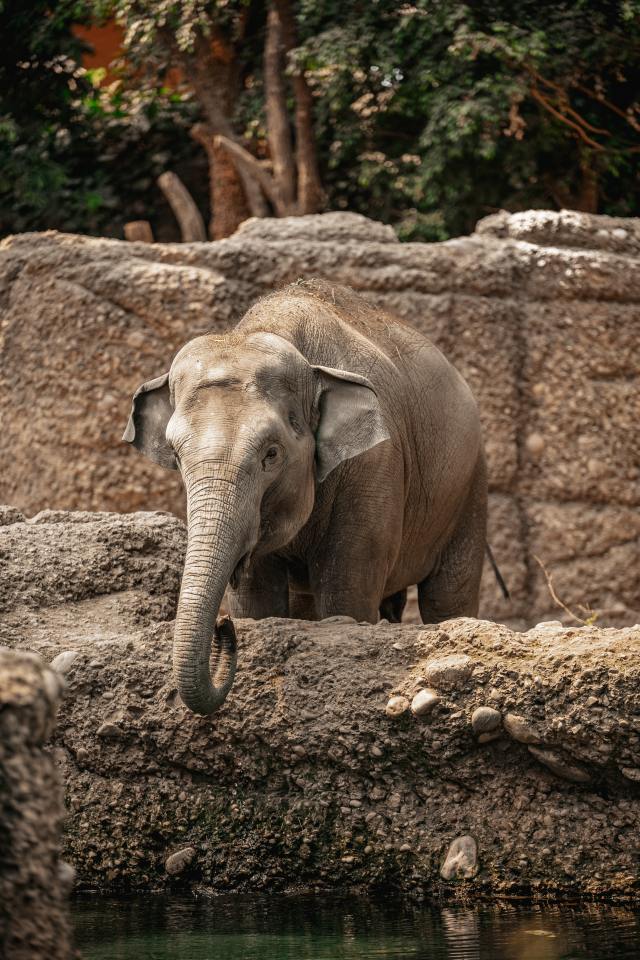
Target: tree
{"x":431,"y":115}
{"x":217,"y":47}
{"x":76,"y":154}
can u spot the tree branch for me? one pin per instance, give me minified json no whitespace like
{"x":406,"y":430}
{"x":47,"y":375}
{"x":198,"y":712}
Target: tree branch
{"x":183,"y":206}
{"x":535,"y":93}
{"x":278,"y":129}
{"x":253,"y":167}
{"x":311,"y":196}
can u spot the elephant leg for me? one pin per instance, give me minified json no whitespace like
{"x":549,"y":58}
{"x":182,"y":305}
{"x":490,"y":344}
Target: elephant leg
{"x":392,"y":607}
{"x":302,"y":606}
{"x":347,"y":579}
{"x":452,"y":588}
{"x":262,"y":590}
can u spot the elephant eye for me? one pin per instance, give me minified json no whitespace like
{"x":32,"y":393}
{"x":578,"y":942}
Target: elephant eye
{"x":270,"y":457}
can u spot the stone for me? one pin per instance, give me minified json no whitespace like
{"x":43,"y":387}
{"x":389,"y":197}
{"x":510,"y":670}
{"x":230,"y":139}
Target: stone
{"x":179,"y":861}
{"x":64,"y":661}
{"x":34,"y":880}
{"x":226,"y":784}
{"x":109,"y":731}
{"x":66,"y":875}
{"x":461,"y":860}
{"x":396,"y":706}
{"x":424,"y":702}
{"x":451,"y":672}
{"x":631,"y":773}
{"x":561,"y":767}
{"x":10,"y":515}
{"x":485,"y":720}
{"x":520,"y":729}
{"x":490,"y":736}
{"x":535,"y":444}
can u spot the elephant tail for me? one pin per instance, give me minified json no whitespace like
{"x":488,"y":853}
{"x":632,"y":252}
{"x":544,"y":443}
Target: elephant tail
{"x":496,"y":571}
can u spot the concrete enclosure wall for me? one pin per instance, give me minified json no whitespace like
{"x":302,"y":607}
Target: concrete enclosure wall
{"x":539,"y":311}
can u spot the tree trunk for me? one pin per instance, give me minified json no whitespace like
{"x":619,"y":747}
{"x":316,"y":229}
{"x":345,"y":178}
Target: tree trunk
{"x":226,"y":192}
{"x":138,"y":231}
{"x":212,"y":71}
{"x":587,"y":199}
{"x":279,"y":132}
{"x":311,"y":197}
{"x":183,"y":206}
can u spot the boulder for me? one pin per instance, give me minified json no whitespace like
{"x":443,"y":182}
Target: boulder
{"x":306,"y":778}
{"x":34,"y":880}
{"x":539,"y":311}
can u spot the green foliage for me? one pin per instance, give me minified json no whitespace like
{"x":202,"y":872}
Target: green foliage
{"x":75,"y":155}
{"x":429,"y":114}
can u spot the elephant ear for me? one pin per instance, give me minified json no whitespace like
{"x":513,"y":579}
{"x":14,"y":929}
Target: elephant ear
{"x":351,"y":420}
{"x":150,"y":413}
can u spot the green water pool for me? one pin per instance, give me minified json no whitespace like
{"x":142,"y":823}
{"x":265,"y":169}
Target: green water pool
{"x":320,"y":928}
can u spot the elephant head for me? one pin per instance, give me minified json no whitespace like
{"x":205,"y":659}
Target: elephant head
{"x":253,"y":428}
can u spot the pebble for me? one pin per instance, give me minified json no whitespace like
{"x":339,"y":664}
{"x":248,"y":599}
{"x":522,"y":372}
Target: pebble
{"x":82,"y":754}
{"x":53,"y":683}
{"x":558,"y":765}
{"x":631,"y":773}
{"x":424,"y":702}
{"x":461,"y":861}
{"x":62,"y":663}
{"x":520,"y":729}
{"x":396,"y":706}
{"x":450,"y":672}
{"x":485,"y":720}
{"x":535,"y":444}
{"x":489,"y":736}
{"x":177,"y":862}
{"x":66,"y":875}
{"x":109,"y":731}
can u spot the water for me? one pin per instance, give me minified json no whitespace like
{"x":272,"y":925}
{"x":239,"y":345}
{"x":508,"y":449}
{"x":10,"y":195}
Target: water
{"x":322,"y":928}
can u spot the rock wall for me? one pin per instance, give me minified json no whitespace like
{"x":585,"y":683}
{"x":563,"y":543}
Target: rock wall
{"x":456,"y":761}
{"x":538,"y":310}
{"x":34,"y":881}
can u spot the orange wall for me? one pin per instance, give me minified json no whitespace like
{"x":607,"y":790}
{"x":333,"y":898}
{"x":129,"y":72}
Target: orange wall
{"x":106,"y":43}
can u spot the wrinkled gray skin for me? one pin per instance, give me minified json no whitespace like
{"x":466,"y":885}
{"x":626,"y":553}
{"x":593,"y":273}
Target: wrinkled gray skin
{"x":331,"y":457}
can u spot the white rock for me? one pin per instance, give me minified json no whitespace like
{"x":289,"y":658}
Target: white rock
{"x":461,"y":861}
{"x":485,"y":720}
{"x":424,"y":702}
{"x":62,"y":663}
{"x":177,"y":862}
{"x":520,"y":729}
{"x":396,"y":706}
{"x":558,"y":765}
{"x":451,"y":671}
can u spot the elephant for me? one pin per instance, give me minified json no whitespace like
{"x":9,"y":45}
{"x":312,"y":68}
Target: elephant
{"x":331,"y":458}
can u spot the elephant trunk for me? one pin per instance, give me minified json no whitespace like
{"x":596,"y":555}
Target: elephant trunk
{"x":217,"y":520}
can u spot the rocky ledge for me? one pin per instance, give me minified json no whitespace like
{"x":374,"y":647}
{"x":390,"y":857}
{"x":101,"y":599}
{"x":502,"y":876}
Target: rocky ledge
{"x":466,"y":759}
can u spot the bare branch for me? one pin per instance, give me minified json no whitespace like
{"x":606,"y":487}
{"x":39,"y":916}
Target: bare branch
{"x":183,"y":206}
{"x":593,"y":616}
{"x":253,"y":167}
{"x":138,"y":231}
{"x":253,"y":193}
{"x":542,"y":100}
